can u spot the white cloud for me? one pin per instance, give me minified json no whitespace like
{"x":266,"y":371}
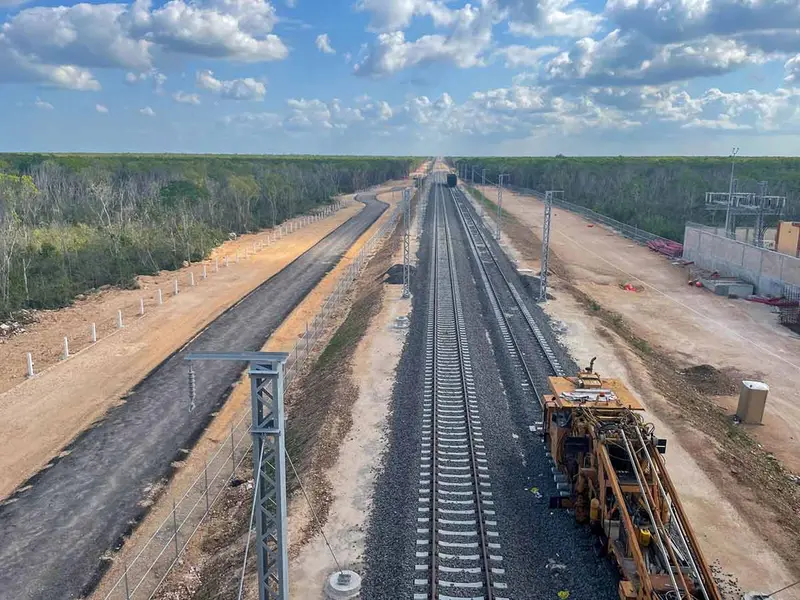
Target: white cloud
{"x":538,"y":18}
{"x":629,"y":59}
{"x":147,"y":112}
{"x":234,"y":89}
{"x":184,"y":98}
{"x":392,"y":15}
{"x":323,"y":44}
{"x":42,"y":105}
{"x":57,"y":45}
{"x":524,"y":56}
{"x":89,"y":35}
{"x":723,"y":123}
{"x":264,"y":120}
{"x":792,"y":69}
{"x":463,"y":46}
{"x":233,"y":29}
{"x":680,"y":20}
{"x":101,"y":108}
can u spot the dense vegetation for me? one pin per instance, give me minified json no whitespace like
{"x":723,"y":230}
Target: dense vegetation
{"x":656,"y":194}
{"x":69,"y":223}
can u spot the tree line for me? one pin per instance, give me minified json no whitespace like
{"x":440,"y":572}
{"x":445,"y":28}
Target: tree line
{"x":658,"y":194}
{"x":70,"y":223}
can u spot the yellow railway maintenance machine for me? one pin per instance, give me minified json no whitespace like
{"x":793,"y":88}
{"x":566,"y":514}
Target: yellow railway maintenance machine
{"x":610,"y":465}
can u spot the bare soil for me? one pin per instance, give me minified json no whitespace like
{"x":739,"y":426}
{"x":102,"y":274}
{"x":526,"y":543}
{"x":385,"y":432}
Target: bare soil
{"x":76,"y":392}
{"x":684,"y":352}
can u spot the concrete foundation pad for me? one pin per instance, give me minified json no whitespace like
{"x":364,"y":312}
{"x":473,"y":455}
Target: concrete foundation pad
{"x":343,"y":585}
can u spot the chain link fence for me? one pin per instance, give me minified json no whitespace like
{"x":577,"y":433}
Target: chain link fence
{"x":144,"y":574}
{"x":629,"y":231}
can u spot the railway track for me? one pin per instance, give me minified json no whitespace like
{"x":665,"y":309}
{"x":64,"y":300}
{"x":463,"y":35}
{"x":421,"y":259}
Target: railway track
{"x":458,"y":549}
{"x":507,"y":303}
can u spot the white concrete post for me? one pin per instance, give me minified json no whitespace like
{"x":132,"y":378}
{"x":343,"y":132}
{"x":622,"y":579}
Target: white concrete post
{"x":174,"y":287}
{"x":205,"y":272}
{"x":226,"y":261}
{"x":216,"y":264}
{"x":237,"y":257}
{"x":29,"y":360}
{"x":160,"y":297}
{"x":65,"y":354}
{"x":141,"y":307}
{"x":119,"y":320}
{"x":191,"y":279}
{"x":94,"y":333}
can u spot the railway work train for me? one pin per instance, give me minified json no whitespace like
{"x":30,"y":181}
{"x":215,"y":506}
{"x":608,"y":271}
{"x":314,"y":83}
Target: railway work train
{"x":610,"y":471}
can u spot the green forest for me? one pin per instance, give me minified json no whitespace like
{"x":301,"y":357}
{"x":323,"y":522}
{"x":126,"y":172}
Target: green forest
{"x":656,"y":194}
{"x":73,"y":222}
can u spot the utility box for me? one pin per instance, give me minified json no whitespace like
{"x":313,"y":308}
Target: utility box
{"x":752,"y":400}
{"x":787,"y":240}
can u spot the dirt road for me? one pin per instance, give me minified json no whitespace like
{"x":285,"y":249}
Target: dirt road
{"x":56,"y":530}
{"x":74,"y":393}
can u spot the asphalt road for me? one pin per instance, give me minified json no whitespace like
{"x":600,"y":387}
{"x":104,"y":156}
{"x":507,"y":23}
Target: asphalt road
{"x":53,"y":534}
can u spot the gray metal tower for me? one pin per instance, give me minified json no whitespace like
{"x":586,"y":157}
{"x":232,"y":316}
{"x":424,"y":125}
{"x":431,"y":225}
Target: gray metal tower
{"x":548,"y":210}
{"x":499,"y":203}
{"x":407,"y":243}
{"x":269,"y":466}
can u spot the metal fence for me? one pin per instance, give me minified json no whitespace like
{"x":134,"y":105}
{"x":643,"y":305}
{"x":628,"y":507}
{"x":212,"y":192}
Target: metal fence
{"x":144,"y":574}
{"x":772,"y":273}
{"x":629,"y":231}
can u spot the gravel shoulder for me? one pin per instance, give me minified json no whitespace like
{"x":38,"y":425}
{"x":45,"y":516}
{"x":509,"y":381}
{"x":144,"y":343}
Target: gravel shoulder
{"x":100,"y":482}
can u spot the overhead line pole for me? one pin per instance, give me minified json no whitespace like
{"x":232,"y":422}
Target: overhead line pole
{"x":266,"y":371}
{"x":407,"y":243}
{"x":730,"y":227}
{"x":548,"y":210}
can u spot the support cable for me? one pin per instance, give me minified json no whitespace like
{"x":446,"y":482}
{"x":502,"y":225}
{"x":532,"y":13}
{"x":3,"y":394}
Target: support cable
{"x":314,"y":513}
{"x":250,"y":522}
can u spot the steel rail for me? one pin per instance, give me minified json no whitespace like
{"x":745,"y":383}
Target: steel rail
{"x":534,"y":328}
{"x":476,"y":479}
{"x":503,"y":321}
{"x":455,"y":434}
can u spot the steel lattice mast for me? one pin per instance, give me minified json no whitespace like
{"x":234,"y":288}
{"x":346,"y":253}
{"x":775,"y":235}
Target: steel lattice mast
{"x":269,"y":466}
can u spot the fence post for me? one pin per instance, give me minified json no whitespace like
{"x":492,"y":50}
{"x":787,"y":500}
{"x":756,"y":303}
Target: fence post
{"x":160,"y":297}
{"x":205,"y":273}
{"x":29,"y":360}
{"x":175,"y":287}
{"x":226,"y":261}
{"x":175,"y":527}
{"x":93,"y":332}
{"x":191,"y":279}
{"x":233,"y":455}
{"x":216,"y":264}
{"x":119,"y":320}
{"x":141,"y":307}
{"x":125,"y":578}
{"x":65,"y":354}
{"x":205,"y":479}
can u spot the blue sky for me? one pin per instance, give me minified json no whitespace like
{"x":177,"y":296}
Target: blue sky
{"x":521,"y":77}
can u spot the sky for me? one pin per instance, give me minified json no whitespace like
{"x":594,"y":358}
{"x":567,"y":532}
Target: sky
{"x":401,"y":77}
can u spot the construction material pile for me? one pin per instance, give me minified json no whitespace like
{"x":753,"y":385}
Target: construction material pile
{"x":666,"y":247}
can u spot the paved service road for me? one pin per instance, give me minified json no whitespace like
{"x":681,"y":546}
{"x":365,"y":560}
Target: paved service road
{"x":53,"y":535}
